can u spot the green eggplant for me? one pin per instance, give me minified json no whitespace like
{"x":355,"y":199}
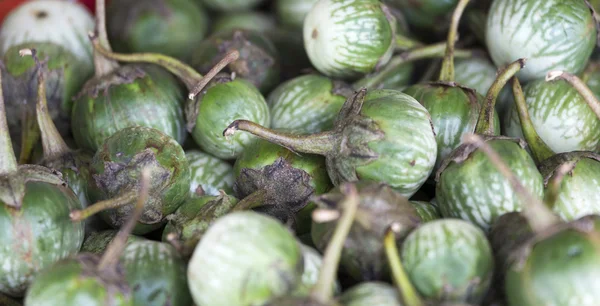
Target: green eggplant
{"x":116,"y":167}
{"x":248,"y":20}
{"x":347,"y":39}
{"x":231,"y":5}
{"x":169,"y":27}
{"x":426,"y":210}
{"x":449,"y":260}
{"x":468,"y":186}
{"x":552,"y":35}
{"x":244,"y":258}
{"x":371,"y":293}
{"x":291,"y":13}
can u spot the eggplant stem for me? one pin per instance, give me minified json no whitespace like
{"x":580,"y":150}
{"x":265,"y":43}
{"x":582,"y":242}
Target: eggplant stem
{"x":8,"y":161}
{"x":120,"y":201}
{"x":185,"y":73}
{"x":30,"y":134}
{"x":485,"y":123}
{"x":447,"y":71}
{"x":102,"y":64}
{"x":430,"y":51}
{"x":405,"y":287}
{"x":539,"y":148}
{"x":53,"y":143}
{"x":404,"y":43}
{"x":553,"y":188}
{"x":230,"y":57}
{"x":580,"y":86}
{"x":110,"y":258}
{"x":538,"y":215}
{"x":323,"y":289}
{"x":319,"y":143}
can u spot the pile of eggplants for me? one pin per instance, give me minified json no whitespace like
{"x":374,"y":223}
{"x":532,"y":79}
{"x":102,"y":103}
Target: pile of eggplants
{"x":300,"y":152}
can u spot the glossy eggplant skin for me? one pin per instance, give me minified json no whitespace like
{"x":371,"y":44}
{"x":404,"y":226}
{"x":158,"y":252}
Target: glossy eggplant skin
{"x":37,"y":235}
{"x":209,"y":173}
{"x":425,"y":14}
{"x":133,"y":95}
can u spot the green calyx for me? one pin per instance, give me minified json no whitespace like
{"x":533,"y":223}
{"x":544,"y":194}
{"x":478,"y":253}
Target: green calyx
{"x":115,"y":170}
{"x":380,"y":206}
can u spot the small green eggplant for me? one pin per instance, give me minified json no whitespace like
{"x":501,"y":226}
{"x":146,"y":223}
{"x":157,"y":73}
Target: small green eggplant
{"x":209,"y":174}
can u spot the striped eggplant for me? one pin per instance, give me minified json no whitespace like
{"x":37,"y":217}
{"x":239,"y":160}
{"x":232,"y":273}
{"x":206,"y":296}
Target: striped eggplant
{"x":381,"y":135}
{"x":249,"y":20}
{"x":307,"y":104}
{"x":187,"y":225}
{"x":560,"y":116}
{"x":426,"y":211}
{"x":209,"y":174}
{"x":258,"y":61}
{"x":553,"y":34}
{"x":244,"y":258}
{"x":276,"y":181}
{"x":206,"y":116}
{"x":117,"y":165}
{"x":559,"y":266}
{"x":371,"y":293}
{"x":96,"y":243}
{"x":363,"y":257}
{"x":89,"y":278}
{"x":169,"y":27}
{"x":118,"y":97}
{"x":426,"y":14}
{"x":34,"y":207}
{"x":468,"y":185}
{"x":449,"y":260}
{"x":231,"y":5}
{"x":454,"y":108}
{"x":58,"y":30}
{"x":346,"y":39}
{"x":291,"y":13}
